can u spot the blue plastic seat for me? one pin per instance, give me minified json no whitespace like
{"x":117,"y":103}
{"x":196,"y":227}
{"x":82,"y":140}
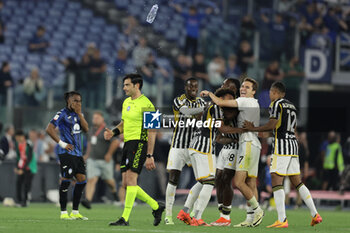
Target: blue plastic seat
{"x":21,"y":49}
{"x":59,"y":36}
{"x":73,"y":5}
{"x":122,"y":4}
{"x":18,"y":58}
{"x":33,"y":59}
{"x":85,"y":13}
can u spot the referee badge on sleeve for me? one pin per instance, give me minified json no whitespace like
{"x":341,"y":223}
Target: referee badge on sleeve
{"x":151,"y":120}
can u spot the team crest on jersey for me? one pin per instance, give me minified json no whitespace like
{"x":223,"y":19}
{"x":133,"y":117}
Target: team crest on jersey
{"x":128,"y":109}
{"x":76,"y":129}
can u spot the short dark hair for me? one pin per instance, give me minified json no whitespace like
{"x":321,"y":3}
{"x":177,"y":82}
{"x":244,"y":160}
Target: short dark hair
{"x":221,"y":92}
{"x":234,"y":81}
{"x":279,"y":86}
{"x":135,"y":78}
{"x":253,"y":81}
{"x":19,"y":132}
{"x":190,"y":79}
{"x":69,"y":94}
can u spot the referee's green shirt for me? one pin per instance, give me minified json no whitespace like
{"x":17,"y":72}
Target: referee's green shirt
{"x":132,"y":115}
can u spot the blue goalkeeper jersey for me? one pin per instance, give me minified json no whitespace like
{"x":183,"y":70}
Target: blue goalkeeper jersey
{"x":68,"y":123}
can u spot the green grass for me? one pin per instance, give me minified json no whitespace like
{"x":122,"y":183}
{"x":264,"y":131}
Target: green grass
{"x":44,"y":218}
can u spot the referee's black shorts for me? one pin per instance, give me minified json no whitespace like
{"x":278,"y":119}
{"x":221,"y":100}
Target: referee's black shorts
{"x":134,"y":156}
{"x":71,"y":165}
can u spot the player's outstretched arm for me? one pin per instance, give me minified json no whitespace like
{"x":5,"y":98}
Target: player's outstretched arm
{"x":218,"y":101}
{"x":229,"y":129}
{"x":191,"y":111}
{"x":109,"y":133}
{"x":269,"y":126}
{"x":223,"y":140}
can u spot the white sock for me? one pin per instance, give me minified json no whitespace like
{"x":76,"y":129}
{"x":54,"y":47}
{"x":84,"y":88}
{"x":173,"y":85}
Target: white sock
{"x":75,"y":211}
{"x":254,"y":204}
{"x":306,"y":196}
{"x":280,"y":196}
{"x":64,"y":212}
{"x":169,"y":199}
{"x":219,"y":205}
{"x":203,"y":200}
{"x":226,"y":216}
{"x":193,"y":195}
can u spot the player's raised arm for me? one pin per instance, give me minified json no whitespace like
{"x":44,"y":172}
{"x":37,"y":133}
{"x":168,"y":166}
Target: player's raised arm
{"x":220,"y":102}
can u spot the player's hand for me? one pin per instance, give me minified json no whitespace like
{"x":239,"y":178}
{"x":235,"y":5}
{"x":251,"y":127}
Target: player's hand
{"x":69,"y":147}
{"x":248,"y":125}
{"x":108,"y":134}
{"x":204,"y":93}
{"x":150,"y":165}
{"x":76,"y":107}
{"x":108,"y":158}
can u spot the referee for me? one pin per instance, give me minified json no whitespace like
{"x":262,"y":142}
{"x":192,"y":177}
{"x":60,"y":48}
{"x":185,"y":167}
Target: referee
{"x":138,"y":148}
{"x":70,"y":121}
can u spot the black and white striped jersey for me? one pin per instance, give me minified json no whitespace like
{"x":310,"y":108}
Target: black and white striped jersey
{"x":234,"y":136}
{"x":285,"y":142}
{"x":182,"y":135}
{"x":203,"y":140}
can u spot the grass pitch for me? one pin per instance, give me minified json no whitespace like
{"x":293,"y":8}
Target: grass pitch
{"x":44,"y":218}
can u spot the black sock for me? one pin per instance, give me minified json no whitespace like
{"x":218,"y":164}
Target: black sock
{"x":63,"y":194}
{"x":78,"y":191}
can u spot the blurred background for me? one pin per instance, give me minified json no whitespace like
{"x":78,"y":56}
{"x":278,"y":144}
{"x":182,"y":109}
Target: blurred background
{"x":48,"y":47}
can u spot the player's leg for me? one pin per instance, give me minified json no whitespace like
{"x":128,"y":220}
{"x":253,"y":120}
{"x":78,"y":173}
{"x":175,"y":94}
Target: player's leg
{"x":77,"y":193}
{"x":176,"y":161}
{"x":80,"y":176}
{"x":306,"y":196}
{"x":66,"y":175}
{"x":279,"y":196}
{"x":227,"y":197}
{"x":228,"y":191}
{"x":130,"y":194}
{"x":174,"y":176}
{"x":205,"y":168}
{"x":228,"y":165}
{"x":202,"y":201}
{"x":192,"y":195}
{"x":219,"y":184}
{"x":130,"y":179}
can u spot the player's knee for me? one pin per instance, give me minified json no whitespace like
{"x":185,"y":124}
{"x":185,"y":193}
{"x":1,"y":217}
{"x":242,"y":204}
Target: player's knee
{"x":174,"y":177}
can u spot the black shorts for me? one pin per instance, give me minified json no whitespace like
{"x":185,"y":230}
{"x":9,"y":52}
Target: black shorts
{"x":134,"y":156}
{"x":71,"y":165}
